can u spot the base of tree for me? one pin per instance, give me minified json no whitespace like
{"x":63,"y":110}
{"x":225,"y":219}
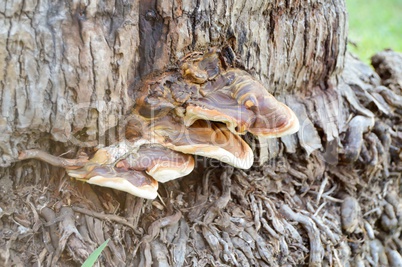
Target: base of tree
{"x":339,"y":206}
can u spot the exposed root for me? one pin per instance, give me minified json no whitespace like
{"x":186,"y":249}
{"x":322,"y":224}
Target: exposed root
{"x":107,"y":217}
{"x":53,"y":160}
{"x":50,"y":216}
{"x":72,"y":238}
{"x":221,"y":202}
{"x":316,"y":248}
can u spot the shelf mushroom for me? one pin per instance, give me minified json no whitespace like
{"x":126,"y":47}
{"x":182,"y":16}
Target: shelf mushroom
{"x":202,"y":109}
{"x":244,"y":106}
{"x":205,"y":138}
{"x":134,"y":168}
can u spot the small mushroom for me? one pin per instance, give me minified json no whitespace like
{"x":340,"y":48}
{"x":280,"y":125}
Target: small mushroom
{"x":200,"y":68}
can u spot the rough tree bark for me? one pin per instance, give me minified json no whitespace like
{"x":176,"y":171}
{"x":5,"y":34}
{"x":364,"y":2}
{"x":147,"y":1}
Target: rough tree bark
{"x":329,"y":195}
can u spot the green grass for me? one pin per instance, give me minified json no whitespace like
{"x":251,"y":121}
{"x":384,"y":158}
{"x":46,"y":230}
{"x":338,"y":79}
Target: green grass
{"x":374,"y":25}
{"x":95,"y":255}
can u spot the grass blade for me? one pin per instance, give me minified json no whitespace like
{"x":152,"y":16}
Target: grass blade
{"x":94,"y":255}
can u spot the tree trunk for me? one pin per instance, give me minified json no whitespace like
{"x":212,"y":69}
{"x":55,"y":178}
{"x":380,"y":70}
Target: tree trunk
{"x":328,"y":195}
{"x":67,"y":69}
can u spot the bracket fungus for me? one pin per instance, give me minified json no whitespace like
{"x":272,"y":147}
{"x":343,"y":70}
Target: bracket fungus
{"x":203,"y":109}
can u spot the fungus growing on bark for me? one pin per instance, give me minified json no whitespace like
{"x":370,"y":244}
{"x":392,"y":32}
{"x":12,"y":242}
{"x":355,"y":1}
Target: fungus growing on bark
{"x":244,"y":105}
{"x":134,"y":169}
{"x":203,"y":109}
{"x":205,"y":138}
{"x":134,"y":182}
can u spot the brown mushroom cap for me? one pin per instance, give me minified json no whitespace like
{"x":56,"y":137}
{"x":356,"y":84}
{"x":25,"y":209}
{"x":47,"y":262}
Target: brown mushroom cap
{"x":134,"y":182}
{"x":272,"y":117}
{"x":274,"y":122}
{"x":243,"y":104}
{"x":204,"y":138}
{"x":99,"y":170}
{"x":137,"y":183}
{"x":220,"y":107}
{"x":133,"y":167}
{"x":160,"y":162}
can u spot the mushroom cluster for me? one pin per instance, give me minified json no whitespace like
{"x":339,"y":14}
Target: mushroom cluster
{"x":202,"y":109}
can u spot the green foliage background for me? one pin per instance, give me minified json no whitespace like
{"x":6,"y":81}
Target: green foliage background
{"x":374,"y":25}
